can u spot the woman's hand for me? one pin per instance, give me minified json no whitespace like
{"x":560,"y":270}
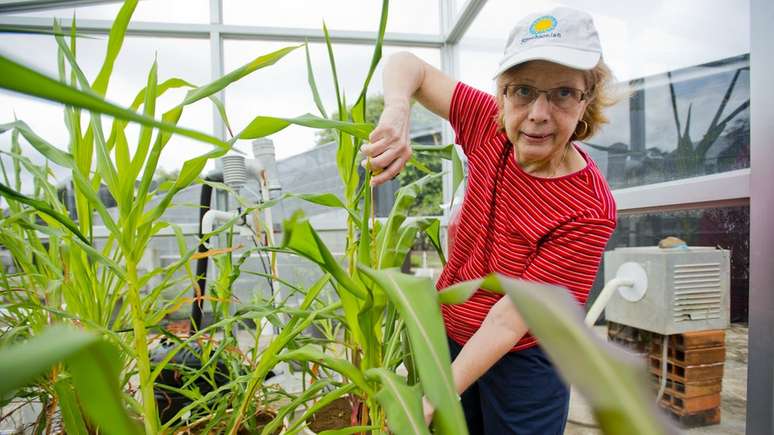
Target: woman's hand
{"x":428,"y":410}
{"x":389,"y":149}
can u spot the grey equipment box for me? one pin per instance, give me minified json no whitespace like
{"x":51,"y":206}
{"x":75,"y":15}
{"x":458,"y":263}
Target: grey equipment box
{"x":687,"y":290}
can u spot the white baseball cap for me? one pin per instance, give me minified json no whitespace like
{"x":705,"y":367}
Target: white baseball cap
{"x":562,"y":35}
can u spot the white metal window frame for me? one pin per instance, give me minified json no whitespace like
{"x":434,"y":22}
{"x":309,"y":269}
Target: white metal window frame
{"x":741,"y":187}
{"x":712,"y":190}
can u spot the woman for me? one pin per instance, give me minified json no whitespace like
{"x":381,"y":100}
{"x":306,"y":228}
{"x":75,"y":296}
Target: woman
{"x":536,"y":206}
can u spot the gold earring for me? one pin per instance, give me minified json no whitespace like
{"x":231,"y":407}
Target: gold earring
{"x":585,"y":129}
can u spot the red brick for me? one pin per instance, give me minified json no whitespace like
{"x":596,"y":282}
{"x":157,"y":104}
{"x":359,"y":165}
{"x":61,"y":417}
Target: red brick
{"x":706,"y":355}
{"x":687,"y":373}
{"x":688,"y":390}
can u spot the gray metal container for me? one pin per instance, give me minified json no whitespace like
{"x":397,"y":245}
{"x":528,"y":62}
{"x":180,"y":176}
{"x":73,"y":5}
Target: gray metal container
{"x":688,"y":289}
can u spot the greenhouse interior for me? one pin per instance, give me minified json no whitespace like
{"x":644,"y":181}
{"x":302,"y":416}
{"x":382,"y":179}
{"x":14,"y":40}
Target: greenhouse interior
{"x":364,"y":217}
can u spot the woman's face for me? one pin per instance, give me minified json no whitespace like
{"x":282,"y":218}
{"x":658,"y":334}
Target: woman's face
{"x":540,"y":130}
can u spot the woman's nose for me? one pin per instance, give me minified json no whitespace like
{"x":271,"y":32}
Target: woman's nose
{"x":540,"y":109}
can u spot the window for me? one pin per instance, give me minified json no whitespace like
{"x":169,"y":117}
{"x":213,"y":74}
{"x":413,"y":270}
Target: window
{"x":184,"y":58}
{"x":170,"y":11}
{"x":282,"y":89}
{"x":406,"y":16}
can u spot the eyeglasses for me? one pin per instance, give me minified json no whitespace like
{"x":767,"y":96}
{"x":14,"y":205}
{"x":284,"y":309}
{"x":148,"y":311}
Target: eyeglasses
{"x":563,"y":97}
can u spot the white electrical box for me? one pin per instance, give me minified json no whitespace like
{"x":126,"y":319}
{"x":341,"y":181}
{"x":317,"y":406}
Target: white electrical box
{"x":688,"y":289}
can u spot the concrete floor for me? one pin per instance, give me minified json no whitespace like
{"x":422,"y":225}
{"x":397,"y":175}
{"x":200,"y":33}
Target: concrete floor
{"x":733,"y":397}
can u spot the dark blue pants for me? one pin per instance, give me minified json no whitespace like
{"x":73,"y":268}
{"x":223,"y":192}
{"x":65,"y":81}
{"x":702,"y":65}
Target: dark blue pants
{"x":521,"y":394}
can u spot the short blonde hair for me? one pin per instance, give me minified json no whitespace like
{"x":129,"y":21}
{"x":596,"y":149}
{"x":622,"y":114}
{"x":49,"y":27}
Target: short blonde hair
{"x":599,"y":80}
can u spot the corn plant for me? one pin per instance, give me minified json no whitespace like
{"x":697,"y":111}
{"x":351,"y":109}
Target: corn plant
{"x":62,"y":274}
{"x":374,"y":330}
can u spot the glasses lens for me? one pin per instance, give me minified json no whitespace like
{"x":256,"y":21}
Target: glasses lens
{"x":565,"y":98}
{"x":520,"y":95}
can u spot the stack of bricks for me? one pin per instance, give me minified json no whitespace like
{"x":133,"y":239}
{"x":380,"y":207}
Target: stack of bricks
{"x":694,"y":370}
{"x":694,"y":375}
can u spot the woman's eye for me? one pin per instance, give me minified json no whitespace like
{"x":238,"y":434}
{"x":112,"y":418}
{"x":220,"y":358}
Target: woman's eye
{"x":523,"y":91}
{"x":564,"y":92}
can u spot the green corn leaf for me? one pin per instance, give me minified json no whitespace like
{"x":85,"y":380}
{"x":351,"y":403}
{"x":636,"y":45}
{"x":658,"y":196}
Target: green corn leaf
{"x":303,"y":397}
{"x":416,"y":301}
{"x":313,"y":82}
{"x":115,"y":41}
{"x":95,"y":375}
{"x":19,"y":78}
{"x":448,"y":152}
{"x":188,"y":173}
{"x":22,"y":363}
{"x":339,"y":365}
{"x":388,"y":235}
{"x":42,"y":207}
{"x":403,"y":404}
{"x":360,"y":105}
{"x":92,"y":363}
{"x":419,"y":165}
{"x":613,"y":385}
{"x":323,"y":402}
{"x":332,"y":61}
{"x":364,"y":245}
{"x":39,"y":174}
{"x":302,"y":239}
{"x":68,"y":404}
{"x":459,"y":292}
{"x":262,"y":126}
{"x":457,"y":173}
{"x":432,"y":228}
{"x":220,"y":83}
{"x":347,"y":165}
{"x":149,"y":110}
{"x":48,"y":151}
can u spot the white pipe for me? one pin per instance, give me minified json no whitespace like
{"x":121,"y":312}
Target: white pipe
{"x":211,"y":216}
{"x":604,"y":297}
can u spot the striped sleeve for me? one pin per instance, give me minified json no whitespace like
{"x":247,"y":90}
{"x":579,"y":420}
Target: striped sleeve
{"x":570,"y":256}
{"x":472,"y":116}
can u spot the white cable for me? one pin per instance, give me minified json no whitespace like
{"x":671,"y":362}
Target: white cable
{"x":664,"y":343}
{"x":604,"y":297}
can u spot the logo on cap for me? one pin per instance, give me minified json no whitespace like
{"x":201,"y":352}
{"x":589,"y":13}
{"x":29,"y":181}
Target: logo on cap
{"x":543,"y":24}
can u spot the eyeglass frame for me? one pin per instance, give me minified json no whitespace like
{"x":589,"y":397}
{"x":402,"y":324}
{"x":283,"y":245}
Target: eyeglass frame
{"x":584,"y":95}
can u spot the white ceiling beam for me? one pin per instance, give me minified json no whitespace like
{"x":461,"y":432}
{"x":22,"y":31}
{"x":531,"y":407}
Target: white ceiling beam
{"x":463,"y":20}
{"x":191,"y":30}
{"x":16,"y":6}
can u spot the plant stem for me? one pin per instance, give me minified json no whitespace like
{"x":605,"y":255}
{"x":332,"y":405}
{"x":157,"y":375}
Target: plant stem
{"x":141,"y":348}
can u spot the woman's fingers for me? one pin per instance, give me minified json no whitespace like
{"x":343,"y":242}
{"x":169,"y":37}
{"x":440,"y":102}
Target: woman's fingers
{"x":384,"y":159}
{"x":390,"y":172}
{"x":389,"y":149}
{"x":428,"y":410}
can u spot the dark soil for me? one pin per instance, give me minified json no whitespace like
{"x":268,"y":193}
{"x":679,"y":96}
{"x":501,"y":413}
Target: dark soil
{"x":262,"y":420}
{"x":337,"y":415}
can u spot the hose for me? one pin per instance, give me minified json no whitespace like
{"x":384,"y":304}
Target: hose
{"x":205,"y":199}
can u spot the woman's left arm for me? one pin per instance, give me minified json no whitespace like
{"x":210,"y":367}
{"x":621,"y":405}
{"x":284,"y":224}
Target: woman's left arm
{"x":570,"y":258}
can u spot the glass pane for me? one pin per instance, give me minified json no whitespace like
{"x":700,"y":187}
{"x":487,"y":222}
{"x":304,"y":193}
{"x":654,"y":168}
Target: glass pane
{"x":282,"y":89}
{"x":183,"y":58}
{"x":706,"y":130}
{"x":650,"y":46}
{"x":407,"y":16}
{"x":171,"y":11}
{"x":727,"y":228}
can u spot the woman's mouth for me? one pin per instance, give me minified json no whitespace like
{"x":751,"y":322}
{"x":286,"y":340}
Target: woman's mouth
{"x":535,"y":137}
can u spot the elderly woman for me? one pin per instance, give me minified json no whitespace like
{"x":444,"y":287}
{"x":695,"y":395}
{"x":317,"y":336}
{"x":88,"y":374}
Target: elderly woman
{"x":536,"y":205}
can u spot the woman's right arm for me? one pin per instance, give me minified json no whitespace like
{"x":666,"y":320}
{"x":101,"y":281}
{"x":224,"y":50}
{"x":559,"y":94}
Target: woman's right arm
{"x":405,"y":77}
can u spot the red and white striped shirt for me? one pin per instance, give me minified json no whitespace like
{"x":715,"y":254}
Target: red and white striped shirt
{"x":550,"y":230}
